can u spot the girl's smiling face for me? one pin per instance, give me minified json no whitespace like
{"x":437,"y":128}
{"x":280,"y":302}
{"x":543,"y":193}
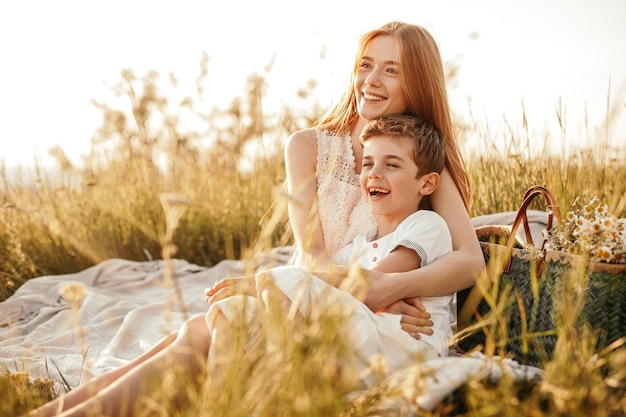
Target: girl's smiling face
{"x":377,"y":84}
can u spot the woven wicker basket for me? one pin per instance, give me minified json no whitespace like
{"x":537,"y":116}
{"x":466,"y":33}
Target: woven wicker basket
{"x":535,"y":278}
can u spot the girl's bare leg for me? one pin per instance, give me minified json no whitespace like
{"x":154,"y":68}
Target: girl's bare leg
{"x":118,"y":392}
{"x":93,"y":386}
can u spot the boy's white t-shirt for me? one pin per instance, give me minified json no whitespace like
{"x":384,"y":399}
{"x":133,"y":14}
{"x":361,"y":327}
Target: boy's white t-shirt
{"x":428,"y":235}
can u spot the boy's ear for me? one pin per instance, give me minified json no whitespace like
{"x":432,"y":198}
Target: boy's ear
{"x":430,"y":182}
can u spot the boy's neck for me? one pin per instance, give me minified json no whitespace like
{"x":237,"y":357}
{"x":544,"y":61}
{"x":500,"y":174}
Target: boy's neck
{"x":387,"y":224}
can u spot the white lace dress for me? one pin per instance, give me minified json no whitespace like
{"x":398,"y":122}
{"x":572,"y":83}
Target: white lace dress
{"x":342,"y":210}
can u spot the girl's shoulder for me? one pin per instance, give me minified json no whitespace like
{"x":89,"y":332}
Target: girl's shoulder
{"x":300,"y":146}
{"x":326,"y":145}
{"x":311,"y":136}
{"x":304,"y":137}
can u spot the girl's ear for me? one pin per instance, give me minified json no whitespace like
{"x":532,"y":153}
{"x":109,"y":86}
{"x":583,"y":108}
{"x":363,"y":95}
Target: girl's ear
{"x":430,"y":182}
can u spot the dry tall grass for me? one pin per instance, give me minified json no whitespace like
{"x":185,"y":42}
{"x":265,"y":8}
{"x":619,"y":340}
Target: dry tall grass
{"x":230,"y":169}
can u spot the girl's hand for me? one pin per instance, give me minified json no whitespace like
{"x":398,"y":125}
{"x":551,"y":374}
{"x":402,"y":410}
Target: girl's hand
{"x":415,"y":319}
{"x":384,"y":289}
{"x":230,"y":286}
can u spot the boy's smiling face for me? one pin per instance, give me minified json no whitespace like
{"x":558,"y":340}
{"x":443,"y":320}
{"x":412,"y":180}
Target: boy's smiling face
{"x":389,"y":178}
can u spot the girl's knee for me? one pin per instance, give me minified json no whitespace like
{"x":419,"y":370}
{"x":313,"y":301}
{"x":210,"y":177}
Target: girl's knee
{"x":195,"y":332}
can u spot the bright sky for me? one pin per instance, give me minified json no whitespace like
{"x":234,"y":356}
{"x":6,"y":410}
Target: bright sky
{"x":57,"y":55}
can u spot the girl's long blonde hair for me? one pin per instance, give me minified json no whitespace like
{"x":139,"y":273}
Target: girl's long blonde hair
{"x":424,"y":84}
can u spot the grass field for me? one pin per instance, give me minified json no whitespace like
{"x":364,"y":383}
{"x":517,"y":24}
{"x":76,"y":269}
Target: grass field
{"x":230,"y":173}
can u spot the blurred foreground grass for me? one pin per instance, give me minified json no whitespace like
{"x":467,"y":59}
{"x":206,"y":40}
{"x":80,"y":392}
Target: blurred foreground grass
{"x":230,"y":168}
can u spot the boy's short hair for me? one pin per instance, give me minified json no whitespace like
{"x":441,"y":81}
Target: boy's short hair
{"x":429,"y":150}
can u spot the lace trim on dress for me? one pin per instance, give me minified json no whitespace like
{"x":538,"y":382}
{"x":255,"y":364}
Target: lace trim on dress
{"x":342,"y":210}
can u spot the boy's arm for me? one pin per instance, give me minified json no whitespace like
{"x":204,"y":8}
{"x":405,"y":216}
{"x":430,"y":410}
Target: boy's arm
{"x":415,"y":320}
{"x":401,"y":259}
{"x":384,"y":292}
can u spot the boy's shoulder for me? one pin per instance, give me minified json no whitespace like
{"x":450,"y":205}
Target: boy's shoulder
{"x":422,"y":217}
{"x":426,"y":232}
{"x":422,"y":225}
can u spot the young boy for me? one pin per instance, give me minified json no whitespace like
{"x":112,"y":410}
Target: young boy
{"x":402,"y":159}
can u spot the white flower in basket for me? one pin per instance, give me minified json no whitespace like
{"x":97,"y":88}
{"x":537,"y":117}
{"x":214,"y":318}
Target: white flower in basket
{"x":590,"y":230}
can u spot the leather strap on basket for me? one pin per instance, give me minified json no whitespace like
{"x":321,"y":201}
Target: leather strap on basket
{"x":522,"y":218}
{"x":474,"y":297}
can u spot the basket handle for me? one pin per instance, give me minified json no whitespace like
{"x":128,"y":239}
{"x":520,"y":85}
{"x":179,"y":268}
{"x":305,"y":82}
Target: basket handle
{"x":522,"y":217}
{"x":474,"y":297}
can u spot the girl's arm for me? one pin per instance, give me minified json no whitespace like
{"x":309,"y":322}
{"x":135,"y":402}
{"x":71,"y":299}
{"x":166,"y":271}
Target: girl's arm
{"x":446,"y":275}
{"x":300,"y":162}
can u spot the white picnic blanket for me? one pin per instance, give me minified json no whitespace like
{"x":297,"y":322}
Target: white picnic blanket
{"x":127,"y":310}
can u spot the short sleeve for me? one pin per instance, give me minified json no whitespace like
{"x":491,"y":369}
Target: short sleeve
{"x":426,"y":233}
